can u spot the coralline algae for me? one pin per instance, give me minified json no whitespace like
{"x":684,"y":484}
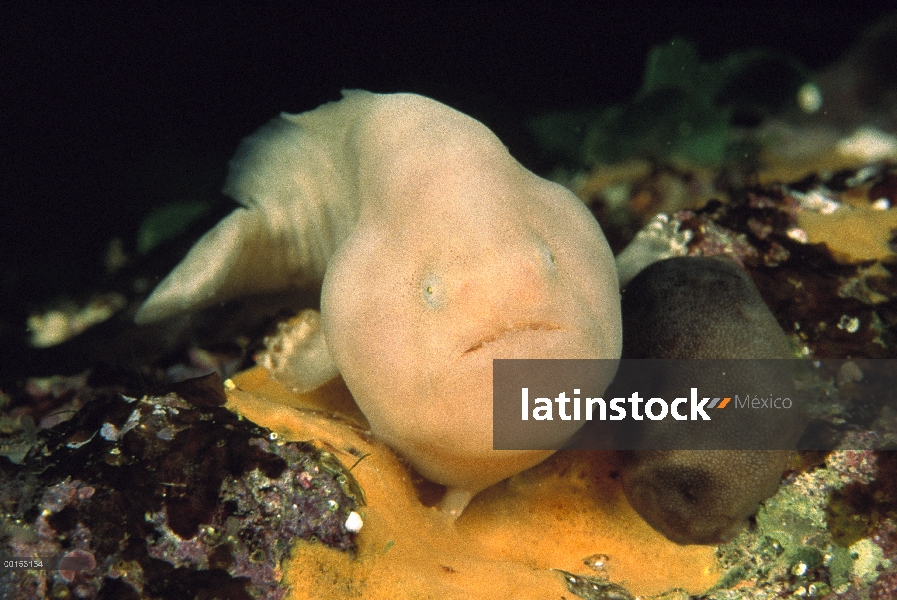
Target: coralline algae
{"x":184,"y":499}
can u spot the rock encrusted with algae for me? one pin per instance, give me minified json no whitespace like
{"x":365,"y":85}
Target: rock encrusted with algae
{"x":795,"y":551}
{"x":167,"y":498}
{"x":830,"y":286}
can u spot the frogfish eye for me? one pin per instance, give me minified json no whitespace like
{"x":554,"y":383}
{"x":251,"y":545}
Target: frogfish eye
{"x":433,"y":290}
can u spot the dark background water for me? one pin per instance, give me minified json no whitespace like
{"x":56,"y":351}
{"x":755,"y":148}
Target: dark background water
{"x":110,"y":108}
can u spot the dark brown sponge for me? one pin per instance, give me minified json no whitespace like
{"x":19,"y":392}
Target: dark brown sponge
{"x":701,"y":308}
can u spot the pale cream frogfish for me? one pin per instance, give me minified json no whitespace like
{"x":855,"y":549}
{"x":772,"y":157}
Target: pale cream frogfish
{"x":436,"y":251}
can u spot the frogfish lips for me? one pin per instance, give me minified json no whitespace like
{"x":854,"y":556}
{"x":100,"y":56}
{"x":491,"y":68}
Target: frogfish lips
{"x":507,"y":337}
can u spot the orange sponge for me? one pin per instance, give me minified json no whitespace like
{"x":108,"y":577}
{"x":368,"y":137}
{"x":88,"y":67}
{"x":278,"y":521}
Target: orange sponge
{"x":509,"y":543}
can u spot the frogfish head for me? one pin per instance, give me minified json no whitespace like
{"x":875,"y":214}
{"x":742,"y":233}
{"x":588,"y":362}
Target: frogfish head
{"x":414,"y":317}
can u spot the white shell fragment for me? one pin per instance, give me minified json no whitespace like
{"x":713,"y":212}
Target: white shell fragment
{"x":354,"y":522}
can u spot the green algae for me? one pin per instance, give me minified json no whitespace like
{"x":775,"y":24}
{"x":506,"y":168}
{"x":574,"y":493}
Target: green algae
{"x":168,"y":222}
{"x":687,"y":110}
{"x":792,"y":551}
